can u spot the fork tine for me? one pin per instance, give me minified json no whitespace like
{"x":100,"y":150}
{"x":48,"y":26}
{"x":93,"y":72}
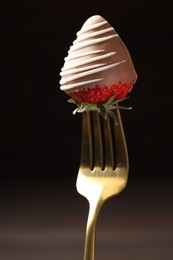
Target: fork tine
{"x":98,"y":146}
{"x":109,"y":152}
{"x":121,"y":148}
{"x":86,"y":148}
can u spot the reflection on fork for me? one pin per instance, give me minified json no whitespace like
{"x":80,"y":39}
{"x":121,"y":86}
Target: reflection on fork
{"x":103,"y":170}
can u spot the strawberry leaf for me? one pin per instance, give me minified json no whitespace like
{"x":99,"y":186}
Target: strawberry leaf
{"x":103,"y":108}
{"x":71,"y":100}
{"x":102,"y":111}
{"x":112,"y":115}
{"x":110,"y":100}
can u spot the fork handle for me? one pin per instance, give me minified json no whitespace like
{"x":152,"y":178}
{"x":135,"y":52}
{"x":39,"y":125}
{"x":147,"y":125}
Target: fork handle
{"x":94,"y":209}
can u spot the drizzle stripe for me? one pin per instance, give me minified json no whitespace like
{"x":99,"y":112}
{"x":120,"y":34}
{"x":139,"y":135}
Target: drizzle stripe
{"x":84,"y":37}
{"x":72,"y":71}
{"x":91,"y":27}
{"x":73,"y":56}
{"x":78,"y":64}
{"x":66,"y":87}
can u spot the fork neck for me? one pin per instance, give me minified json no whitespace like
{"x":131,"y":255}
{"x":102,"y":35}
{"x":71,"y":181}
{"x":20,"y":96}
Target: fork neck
{"x":94,"y":208}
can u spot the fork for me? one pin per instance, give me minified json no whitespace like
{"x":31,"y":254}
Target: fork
{"x":103,"y":170}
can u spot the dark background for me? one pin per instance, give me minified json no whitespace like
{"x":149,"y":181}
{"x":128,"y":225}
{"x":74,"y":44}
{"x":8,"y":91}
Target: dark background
{"x":40,"y":139}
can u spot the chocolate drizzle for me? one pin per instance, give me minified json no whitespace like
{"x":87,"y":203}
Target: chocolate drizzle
{"x":97,"y":56}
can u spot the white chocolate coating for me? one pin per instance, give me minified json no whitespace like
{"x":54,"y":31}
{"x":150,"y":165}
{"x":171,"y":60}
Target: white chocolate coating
{"x":97,"y":56}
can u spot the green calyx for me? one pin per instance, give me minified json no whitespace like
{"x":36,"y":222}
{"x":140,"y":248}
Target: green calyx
{"x":104,"y":109}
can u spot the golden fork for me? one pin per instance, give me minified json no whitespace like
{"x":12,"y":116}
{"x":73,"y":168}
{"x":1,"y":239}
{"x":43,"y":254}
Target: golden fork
{"x":103,"y":170}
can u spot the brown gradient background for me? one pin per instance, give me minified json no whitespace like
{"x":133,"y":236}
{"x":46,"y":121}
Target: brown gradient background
{"x":41,"y":214}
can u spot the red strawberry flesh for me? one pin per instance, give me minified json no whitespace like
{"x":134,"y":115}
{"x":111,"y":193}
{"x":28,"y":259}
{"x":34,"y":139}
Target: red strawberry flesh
{"x":99,"y":94}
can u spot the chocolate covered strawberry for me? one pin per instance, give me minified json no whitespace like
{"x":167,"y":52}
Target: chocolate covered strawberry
{"x":98,"y":72}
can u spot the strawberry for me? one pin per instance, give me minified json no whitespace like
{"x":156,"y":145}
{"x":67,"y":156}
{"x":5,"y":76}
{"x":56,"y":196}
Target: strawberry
{"x":98,"y":71}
